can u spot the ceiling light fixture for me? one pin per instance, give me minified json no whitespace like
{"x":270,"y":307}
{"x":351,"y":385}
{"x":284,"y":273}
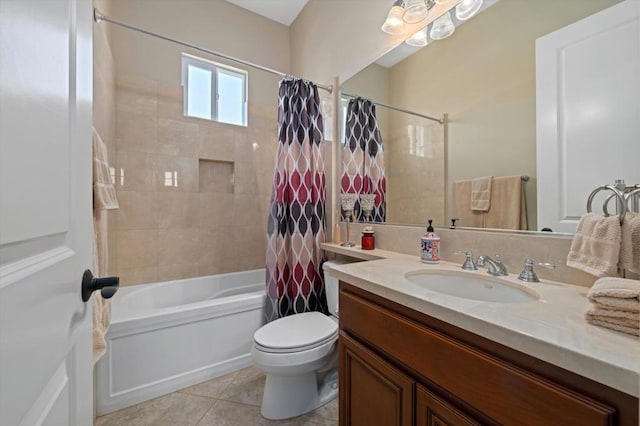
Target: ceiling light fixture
{"x":467,"y":8}
{"x":415,"y":11}
{"x":419,"y":39}
{"x":394,"y":23}
{"x":442,"y":27}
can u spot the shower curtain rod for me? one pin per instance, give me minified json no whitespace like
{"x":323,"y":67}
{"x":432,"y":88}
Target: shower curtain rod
{"x":439,"y":120}
{"x":99,"y":17}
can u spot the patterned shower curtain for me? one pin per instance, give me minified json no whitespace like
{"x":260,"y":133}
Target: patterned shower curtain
{"x":296,"y":222}
{"x":363,"y":158}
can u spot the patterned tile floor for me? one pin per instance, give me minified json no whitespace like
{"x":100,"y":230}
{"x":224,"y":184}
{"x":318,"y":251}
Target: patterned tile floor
{"x":231,"y":400}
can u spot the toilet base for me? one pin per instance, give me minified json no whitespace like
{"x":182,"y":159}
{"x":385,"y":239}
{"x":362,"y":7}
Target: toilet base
{"x":290,"y":396}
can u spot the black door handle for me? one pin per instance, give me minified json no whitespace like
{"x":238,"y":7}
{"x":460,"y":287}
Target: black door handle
{"x":107,"y":285}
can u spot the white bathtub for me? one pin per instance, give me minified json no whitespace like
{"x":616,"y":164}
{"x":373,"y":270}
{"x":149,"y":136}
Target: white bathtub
{"x":165,"y":336}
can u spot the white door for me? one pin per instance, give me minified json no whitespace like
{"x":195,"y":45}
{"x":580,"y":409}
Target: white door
{"x":45,"y":212}
{"x":588,"y":112}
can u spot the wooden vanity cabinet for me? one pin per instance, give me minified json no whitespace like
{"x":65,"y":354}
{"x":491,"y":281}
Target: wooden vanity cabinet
{"x":402,"y":367}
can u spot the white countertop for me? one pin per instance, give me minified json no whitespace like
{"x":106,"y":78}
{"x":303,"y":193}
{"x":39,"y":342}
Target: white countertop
{"x":552,"y":328}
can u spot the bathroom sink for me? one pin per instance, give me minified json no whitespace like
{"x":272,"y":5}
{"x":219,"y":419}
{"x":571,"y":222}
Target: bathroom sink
{"x":475,"y":287}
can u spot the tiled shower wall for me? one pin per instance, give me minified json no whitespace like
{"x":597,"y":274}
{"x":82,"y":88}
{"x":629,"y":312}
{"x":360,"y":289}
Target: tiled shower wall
{"x":415,"y":156}
{"x":193,"y":193}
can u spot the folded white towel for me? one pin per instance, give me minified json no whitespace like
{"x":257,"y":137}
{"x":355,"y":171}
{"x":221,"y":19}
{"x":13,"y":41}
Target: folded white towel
{"x":620,"y":294}
{"x":626,"y":322}
{"x":630,"y":246}
{"x":595,"y":248}
{"x":481,"y":193}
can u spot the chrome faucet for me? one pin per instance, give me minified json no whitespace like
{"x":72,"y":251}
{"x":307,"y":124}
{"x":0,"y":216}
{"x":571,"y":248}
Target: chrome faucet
{"x":494,"y":267}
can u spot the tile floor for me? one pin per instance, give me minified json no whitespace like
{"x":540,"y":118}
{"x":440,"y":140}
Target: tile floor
{"x":231,"y":400}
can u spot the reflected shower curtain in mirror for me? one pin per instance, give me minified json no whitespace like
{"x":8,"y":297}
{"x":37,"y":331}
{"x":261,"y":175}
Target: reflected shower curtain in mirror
{"x":363,"y":158}
{"x":296,"y":222}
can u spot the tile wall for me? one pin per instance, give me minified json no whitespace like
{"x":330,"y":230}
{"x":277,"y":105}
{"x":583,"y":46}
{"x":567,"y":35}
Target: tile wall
{"x":193,"y":193}
{"x":415,"y":155}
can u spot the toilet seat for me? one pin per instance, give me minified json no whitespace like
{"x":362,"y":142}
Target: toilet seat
{"x":296,"y":333}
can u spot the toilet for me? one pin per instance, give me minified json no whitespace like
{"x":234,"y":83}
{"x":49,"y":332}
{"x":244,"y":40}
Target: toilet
{"x":299,"y":356}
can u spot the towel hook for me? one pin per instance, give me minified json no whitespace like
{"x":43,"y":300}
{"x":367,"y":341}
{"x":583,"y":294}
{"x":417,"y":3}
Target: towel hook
{"x":616,"y":192}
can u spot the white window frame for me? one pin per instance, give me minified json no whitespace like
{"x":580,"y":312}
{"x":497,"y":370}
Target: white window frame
{"x":215,"y":68}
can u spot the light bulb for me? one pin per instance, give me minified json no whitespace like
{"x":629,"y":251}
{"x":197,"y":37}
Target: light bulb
{"x":419,"y":39}
{"x":394,"y":23}
{"x":415,"y":11}
{"x":467,"y":8}
{"x":442,"y":27}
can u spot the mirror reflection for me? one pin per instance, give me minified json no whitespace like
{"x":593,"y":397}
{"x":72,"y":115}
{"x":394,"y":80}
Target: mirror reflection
{"x":481,"y":81}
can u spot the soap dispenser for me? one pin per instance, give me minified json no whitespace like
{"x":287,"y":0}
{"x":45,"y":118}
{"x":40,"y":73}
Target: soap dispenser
{"x":430,"y":246}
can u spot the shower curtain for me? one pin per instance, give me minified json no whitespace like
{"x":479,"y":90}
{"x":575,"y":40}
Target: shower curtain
{"x":296,"y":222}
{"x":363,"y":158}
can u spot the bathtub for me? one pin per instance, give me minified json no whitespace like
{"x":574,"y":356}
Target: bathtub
{"x":169,"y":335}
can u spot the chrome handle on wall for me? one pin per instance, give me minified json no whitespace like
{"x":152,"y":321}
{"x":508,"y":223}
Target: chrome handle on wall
{"x":107,"y":285}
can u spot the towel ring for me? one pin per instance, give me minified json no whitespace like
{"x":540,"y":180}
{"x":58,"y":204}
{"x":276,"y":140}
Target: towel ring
{"x":629,"y":195}
{"x":616,"y":192}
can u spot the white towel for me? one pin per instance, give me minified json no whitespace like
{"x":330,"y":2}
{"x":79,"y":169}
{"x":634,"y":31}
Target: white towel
{"x":630,"y":246}
{"x":104,"y":194}
{"x":620,"y":294}
{"x":595,"y":248}
{"x":481,"y":193}
{"x":104,"y":198}
{"x":626,"y":322}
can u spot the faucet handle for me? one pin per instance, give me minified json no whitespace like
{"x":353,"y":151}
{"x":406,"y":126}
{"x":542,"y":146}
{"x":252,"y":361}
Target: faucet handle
{"x":469,"y":264}
{"x":529,"y":275}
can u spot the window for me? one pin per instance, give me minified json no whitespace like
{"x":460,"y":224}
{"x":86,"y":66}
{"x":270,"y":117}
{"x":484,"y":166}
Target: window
{"x":213,"y":91}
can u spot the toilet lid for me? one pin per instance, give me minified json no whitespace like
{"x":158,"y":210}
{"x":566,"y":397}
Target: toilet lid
{"x":296,"y":331}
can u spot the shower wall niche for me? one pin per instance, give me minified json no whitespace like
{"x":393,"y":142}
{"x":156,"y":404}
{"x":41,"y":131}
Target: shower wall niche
{"x":193,"y":193}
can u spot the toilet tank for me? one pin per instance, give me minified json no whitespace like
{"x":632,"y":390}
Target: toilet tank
{"x":331,"y":285}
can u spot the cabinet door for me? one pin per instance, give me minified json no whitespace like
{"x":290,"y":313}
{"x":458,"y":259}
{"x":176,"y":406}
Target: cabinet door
{"x":432,"y":410}
{"x":372,"y":392}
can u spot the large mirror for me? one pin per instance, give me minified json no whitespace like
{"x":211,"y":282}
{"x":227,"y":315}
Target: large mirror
{"x":483,"y":78}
